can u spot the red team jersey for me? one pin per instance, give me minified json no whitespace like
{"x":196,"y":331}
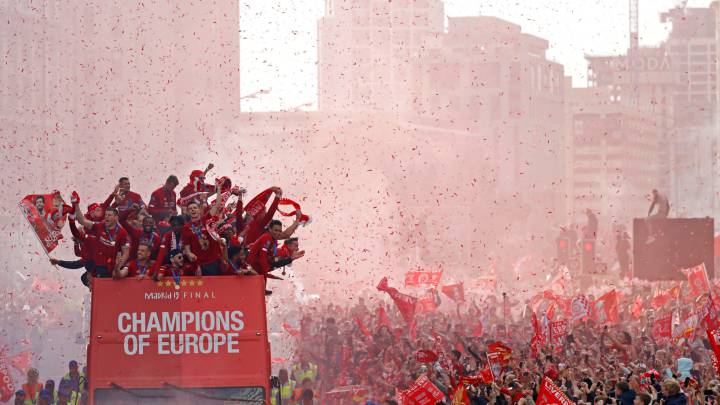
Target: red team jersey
{"x":126,"y":203}
{"x":201,"y":244}
{"x":162,"y":204}
{"x":107,"y":243}
{"x":187,"y":269}
{"x":261,"y":252}
{"x":135,"y":268}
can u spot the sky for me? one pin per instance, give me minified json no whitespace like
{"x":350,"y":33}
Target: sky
{"x":278,"y":39}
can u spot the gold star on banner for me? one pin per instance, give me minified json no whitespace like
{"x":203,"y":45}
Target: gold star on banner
{"x":200,"y":282}
{"x":160,"y":283}
{"x":191,"y":283}
{"x":183,"y":283}
{"x":168,"y":283}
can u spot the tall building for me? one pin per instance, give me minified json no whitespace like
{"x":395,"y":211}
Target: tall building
{"x":649,"y":91}
{"x":114,"y":87}
{"x":615,"y":156}
{"x":676,"y":84}
{"x":488,"y":78}
{"x":692,"y":49}
{"x":368,"y":51}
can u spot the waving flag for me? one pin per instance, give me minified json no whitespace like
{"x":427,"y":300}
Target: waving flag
{"x":662,"y":297}
{"x":551,"y":394}
{"x":714,"y":338}
{"x":662,"y":328}
{"x":46,"y":214}
{"x":418,"y":278}
{"x":697,"y":280}
{"x":558,"y":330}
{"x":606,"y":308}
{"x":580,"y":308}
{"x":637,"y":307}
{"x":406,"y":304}
{"x":423,"y":392}
{"x":427,"y":303}
{"x":710,"y":313}
{"x":455,"y":292}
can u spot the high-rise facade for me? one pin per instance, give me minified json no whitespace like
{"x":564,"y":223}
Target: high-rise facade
{"x":114,"y":87}
{"x":368,"y":52}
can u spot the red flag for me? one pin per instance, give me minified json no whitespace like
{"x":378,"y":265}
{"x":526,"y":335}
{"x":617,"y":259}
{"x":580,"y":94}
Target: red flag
{"x":417,"y":278}
{"x":455,"y":292}
{"x":580,"y":309}
{"x":7,"y":388}
{"x":662,"y":327}
{"x":661,"y":297}
{"x":558,"y":330}
{"x":427,"y":303}
{"x":485,"y":376}
{"x":423,"y":392}
{"x":606,"y":308}
{"x":637,"y":307}
{"x":714,"y":338}
{"x":406,"y":304}
{"x":21,"y":361}
{"x":687,"y":326}
{"x":697,"y":280}
{"x":290,"y":330}
{"x":46,"y":214}
{"x":551,"y":394}
{"x":501,"y":351}
{"x":361,"y":326}
{"x":382,"y":318}
{"x":710,"y":313}
{"x":426,"y":356}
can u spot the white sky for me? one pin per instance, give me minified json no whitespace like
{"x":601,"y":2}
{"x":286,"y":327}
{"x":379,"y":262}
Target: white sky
{"x":278,"y":38}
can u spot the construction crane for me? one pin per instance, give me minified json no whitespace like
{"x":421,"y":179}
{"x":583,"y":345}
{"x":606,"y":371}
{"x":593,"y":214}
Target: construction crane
{"x":633,"y":51}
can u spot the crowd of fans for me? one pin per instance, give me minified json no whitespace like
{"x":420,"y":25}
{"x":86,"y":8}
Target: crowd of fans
{"x":372,"y":352}
{"x":193,"y":235}
{"x":368,"y":354}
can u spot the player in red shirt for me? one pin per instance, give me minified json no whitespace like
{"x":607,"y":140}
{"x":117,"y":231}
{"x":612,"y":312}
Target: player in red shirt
{"x":263,"y":252}
{"x":171,"y":240}
{"x":198,"y":244}
{"x":142,"y":267}
{"x":124,"y":198}
{"x":111,"y":244}
{"x":162,"y":201}
{"x":196,"y":188}
{"x":146,"y":234}
{"x":177,"y":267}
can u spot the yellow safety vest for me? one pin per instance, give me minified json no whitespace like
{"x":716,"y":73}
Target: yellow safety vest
{"x":286,"y":392}
{"x":301,"y":375}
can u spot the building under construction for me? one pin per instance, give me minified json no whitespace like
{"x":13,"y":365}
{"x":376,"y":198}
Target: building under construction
{"x":675,"y":84}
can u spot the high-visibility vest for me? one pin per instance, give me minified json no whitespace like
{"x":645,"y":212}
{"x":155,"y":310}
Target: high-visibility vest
{"x":286,"y":393}
{"x":73,"y":399}
{"x":32,"y":395}
{"x":301,"y":375}
{"x":81,"y":380}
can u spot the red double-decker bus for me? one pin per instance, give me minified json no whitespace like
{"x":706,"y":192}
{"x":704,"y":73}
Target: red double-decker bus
{"x":202,"y":340}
